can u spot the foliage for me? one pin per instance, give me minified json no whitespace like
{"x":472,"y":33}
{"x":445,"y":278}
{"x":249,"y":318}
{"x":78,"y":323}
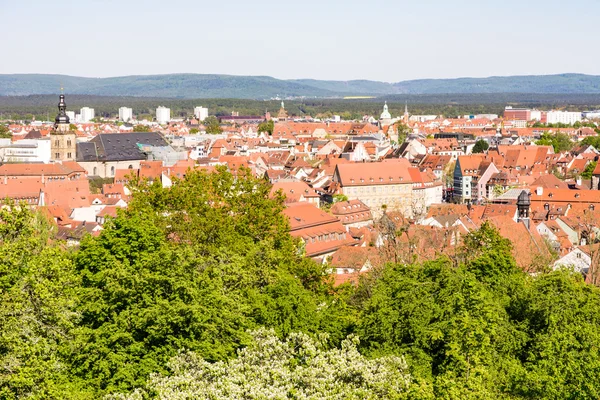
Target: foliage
{"x":212,"y":125}
{"x":589,"y":170}
{"x":480,"y":146}
{"x":5,"y":133}
{"x":167,"y":295}
{"x":403,"y":132}
{"x":192,"y":266}
{"x":37,"y":296}
{"x":269,"y":368}
{"x":194,"y":131}
{"x":478,"y":327}
{"x":96,"y":183}
{"x":561,"y":142}
{"x":266,"y":126}
{"x":591,"y":141}
{"x":141,"y":128}
{"x":336,"y":199}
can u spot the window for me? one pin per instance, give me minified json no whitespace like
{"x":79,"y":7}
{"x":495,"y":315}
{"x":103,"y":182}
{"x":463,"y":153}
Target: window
{"x":69,"y":143}
{"x":112,"y":171}
{"x":57,"y":143}
{"x":95,"y":171}
{"x":57,"y":155}
{"x":68,"y":155}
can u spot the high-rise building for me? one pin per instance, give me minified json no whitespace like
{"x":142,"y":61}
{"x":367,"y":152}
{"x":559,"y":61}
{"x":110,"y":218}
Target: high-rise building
{"x":163,"y":115}
{"x":125,"y":114}
{"x":201,"y":113}
{"x":86,"y":114}
{"x":63,"y":144}
{"x":562,"y":117}
{"x":71,"y":115}
{"x":517,"y":114}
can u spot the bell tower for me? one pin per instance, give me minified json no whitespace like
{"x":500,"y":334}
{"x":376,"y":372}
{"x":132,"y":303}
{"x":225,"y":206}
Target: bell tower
{"x":63,"y":146}
{"x":523,"y":205}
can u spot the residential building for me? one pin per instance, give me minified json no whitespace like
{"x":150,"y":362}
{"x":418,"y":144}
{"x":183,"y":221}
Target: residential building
{"x":380,"y":185}
{"x":201,"y":113}
{"x":125,"y":114}
{"x":86,"y":114}
{"x":562,"y":117}
{"x":163,"y":115}
{"x":321,"y":233}
{"x":352,"y":213}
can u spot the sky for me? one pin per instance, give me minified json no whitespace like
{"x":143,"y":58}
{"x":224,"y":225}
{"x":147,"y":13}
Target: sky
{"x":390,"y":41}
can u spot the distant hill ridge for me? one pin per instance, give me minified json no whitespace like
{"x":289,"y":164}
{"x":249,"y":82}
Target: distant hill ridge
{"x":197,"y":86}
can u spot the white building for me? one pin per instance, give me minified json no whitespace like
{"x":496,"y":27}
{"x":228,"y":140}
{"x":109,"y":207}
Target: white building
{"x":25,"y":151}
{"x":535,"y":115}
{"x":592,"y":114}
{"x":71,"y":115}
{"x":125,"y":114}
{"x":86,"y":114}
{"x":163,"y":115}
{"x":562,"y":117}
{"x":201,"y":113}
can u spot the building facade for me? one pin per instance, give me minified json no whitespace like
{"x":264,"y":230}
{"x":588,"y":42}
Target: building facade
{"x":163,"y":115}
{"x":125,"y":114}
{"x":86,"y":114}
{"x":201,"y":113}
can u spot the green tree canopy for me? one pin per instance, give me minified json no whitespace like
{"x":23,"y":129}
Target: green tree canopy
{"x":5,"y":133}
{"x":266,"y":126}
{"x":561,"y":142}
{"x":212,"y":125}
{"x":141,"y":128}
{"x":480,"y":146}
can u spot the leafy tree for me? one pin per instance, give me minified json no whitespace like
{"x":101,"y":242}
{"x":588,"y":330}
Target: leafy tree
{"x":212,"y":125}
{"x":592,"y":141}
{"x":141,"y":128}
{"x":193,"y":266}
{"x":403,"y":132}
{"x":37,"y":298}
{"x":5,"y":133}
{"x":194,"y":131}
{"x":269,"y":368}
{"x":266,"y":126}
{"x":561,"y":142}
{"x":480,"y":146}
{"x":589,"y":170}
{"x":72,"y":127}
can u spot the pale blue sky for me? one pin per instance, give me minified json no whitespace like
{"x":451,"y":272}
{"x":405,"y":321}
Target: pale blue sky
{"x":389,"y":41}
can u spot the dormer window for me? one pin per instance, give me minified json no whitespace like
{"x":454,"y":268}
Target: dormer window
{"x":576,"y":195}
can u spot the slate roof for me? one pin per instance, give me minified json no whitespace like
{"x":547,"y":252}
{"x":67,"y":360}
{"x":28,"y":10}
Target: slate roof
{"x":118,"y":147}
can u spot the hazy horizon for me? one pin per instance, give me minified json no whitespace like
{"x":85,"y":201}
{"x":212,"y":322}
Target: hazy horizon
{"x":380,"y":41}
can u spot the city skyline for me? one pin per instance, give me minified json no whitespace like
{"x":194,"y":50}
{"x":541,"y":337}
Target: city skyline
{"x":382,"y":42}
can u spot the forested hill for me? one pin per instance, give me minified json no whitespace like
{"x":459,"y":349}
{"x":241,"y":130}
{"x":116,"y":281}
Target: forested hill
{"x":264,"y":87}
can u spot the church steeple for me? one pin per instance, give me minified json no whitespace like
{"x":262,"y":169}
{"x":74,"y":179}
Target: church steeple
{"x":62,"y":119}
{"x":406,"y":115}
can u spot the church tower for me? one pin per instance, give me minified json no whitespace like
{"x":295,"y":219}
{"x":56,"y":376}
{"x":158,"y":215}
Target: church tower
{"x":523,"y":205}
{"x":63,"y":145}
{"x":406,"y":115}
{"x":283,"y":115}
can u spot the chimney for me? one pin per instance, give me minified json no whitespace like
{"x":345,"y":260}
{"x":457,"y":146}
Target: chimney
{"x":539,"y":191}
{"x":579,"y":181}
{"x":43,"y":179}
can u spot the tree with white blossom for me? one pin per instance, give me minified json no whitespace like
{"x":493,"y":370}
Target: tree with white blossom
{"x":269,"y":368}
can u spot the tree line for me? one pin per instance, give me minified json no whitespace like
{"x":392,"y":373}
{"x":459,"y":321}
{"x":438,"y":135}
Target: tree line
{"x":199,"y":291}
